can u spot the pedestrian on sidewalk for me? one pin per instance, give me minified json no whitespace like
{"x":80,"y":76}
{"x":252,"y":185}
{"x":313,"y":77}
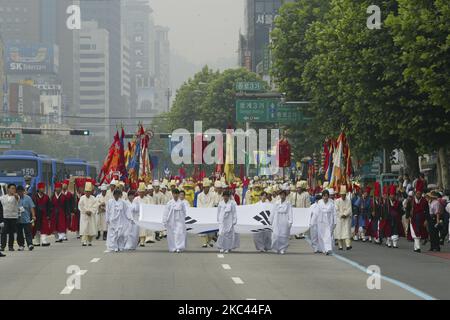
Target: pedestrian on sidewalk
{"x":27,"y":218}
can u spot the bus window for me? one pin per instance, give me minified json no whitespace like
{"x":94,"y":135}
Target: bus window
{"x":18,"y":167}
{"x":60,"y":171}
{"x":47,"y":175}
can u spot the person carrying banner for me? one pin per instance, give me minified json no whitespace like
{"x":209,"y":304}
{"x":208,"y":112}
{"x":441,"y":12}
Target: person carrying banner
{"x":263,"y":239}
{"x":227,"y":219}
{"x":281,"y":220}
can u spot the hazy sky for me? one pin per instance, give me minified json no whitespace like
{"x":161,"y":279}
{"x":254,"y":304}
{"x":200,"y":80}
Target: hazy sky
{"x":201,"y":30}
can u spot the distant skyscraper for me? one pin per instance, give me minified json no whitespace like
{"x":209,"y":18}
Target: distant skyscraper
{"x":254,"y":43}
{"x":94,"y":79}
{"x":162,"y":65}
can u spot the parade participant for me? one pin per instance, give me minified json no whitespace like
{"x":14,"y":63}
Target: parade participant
{"x":70,"y":204}
{"x":59,"y":211}
{"x":26,"y":219}
{"x":198,"y":190}
{"x":101,"y":213}
{"x":360,"y":217}
{"x":117,"y":221}
{"x":234,"y":195}
{"x":189,"y":191}
{"x":2,"y":224}
{"x":326,"y":222}
{"x":227,"y":219}
{"x":373,"y":228}
{"x":149,"y":194}
{"x":174,"y":221}
{"x":444,"y":218}
{"x":121,"y":187}
{"x":207,"y":199}
{"x":150,"y":238}
{"x":157,"y":194}
{"x":419,"y":214}
{"x":88,"y":209}
{"x":165,"y":198}
{"x":255,"y":194}
{"x":217,"y":193}
{"x":10,"y":203}
{"x":42,"y":225}
{"x":263,"y":239}
{"x":301,"y":199}
{"x":434,"y":221}
{"x":131,"y":229}
{"x":248,"y":195}
{"x":343,"y":231}
{"x":281,"y":220}
{"x":407,"y":204}
{"x":141,"y":199}
{"x":75,"y":217}
{"x":392,"y":217}
{"x":313,"y":224}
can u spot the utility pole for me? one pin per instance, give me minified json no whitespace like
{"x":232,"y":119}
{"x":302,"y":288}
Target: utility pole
{"x":168,"y":95}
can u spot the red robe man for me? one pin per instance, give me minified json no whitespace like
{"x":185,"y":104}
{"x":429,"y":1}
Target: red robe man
{"x":42,"y":228}
{"x":58,"y":213}
{"x":284,"y":153}
{"x":75,"y":216}
{"x":392,"y":216}
{"x":419,"y":212}
{"x":70,"y":203}
{"x":373,"y":229}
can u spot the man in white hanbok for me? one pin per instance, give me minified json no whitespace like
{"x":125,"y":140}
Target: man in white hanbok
{"x":263,"y":239}
{"x":117,"y":220}
{"x":343,"y":231}
{"x":101,"y":213}
{"x":174,"y":220}
{"x":227,"y":219}
{"x":313,"y":225}
{"x":281,"y":220}
{"x":141,"y":198}
{"x":88,"y":209}
{"x":131,"y":229}
{"x":325,"y":222}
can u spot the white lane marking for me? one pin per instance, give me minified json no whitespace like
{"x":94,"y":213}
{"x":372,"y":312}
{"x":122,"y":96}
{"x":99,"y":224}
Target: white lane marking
{"x":106,"y":251}
{"x":220,"y":256}
{"x":237,"y":280}
{"x":95,"y":260}
{"x":66,"y":290}
{"x":250,"y":299}
{"x":226,"y":266}
{"x":400,"y":284}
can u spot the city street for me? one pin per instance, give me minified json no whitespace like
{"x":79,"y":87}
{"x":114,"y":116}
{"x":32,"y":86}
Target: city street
{"x":154,"y":273}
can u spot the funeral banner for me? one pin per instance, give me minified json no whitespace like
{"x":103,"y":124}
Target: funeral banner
{"x":250,"y":219}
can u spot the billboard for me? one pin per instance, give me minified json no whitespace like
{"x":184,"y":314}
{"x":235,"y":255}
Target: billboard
{"x":35,"y":58}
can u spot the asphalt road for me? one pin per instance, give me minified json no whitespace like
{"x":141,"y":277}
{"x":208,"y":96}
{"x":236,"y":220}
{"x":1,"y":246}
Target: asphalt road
{"x":198,"y":274}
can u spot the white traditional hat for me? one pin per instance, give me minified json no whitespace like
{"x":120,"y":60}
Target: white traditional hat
{"x":331,"y":191}
{"x":88,"y":187}
{"x":207,"y":183}
{"x":217,"y":184}
{"x":149,"y":187}
{"x":113,"y":182}
{"x":303,"y":184}
{"x":141,"y":187}
{"x":156,"y":183}
{"x":163,"y":186}
{"x":103,"y":187}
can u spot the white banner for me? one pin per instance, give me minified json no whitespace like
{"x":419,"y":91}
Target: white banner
{"x":250,"y":219}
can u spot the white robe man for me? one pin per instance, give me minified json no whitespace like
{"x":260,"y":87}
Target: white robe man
{"x":263,"y":239}
{"x":207,"y":199}
{"x":343,"y":231}
{"x":325,"y":221}
{"x":313,"y":225}
{"x":101,"y":213}
{"x":174,"y":220}
{"x":88,"y":209}
{"x":140,"y":199}
{"x":301,"y":199}
{"x":227,"y":219}
{"x":117,"y":220}
{"x":281,"y":220}
{"x":150,"y":235}
{"x":132,"y":229}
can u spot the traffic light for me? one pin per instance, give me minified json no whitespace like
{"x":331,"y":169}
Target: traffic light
{"x":79,"y":132}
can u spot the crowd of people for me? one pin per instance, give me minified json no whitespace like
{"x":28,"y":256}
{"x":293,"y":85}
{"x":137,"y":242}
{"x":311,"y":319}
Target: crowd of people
{"x":110,"y":213}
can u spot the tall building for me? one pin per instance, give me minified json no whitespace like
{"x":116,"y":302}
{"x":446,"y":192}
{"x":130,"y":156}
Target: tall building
{"x":28,"y":22}
{"x":3,"y":84}
{"x":94,"y":79}
{"x":254,"y":51}
{"x":139,"y":30}
{"x":108,"y":14}
{"x":162,"y":68}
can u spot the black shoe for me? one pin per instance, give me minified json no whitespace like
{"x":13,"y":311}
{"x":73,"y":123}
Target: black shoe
{"x":395,"y":247}
{"x":37,"y":245}
{"x":98,"y":236}
{"x":46,"y":244}
{"x":340,"y":249}
{"x":205,"y":246}
{"x":418,"y":250}
{"x":142,"y":245}
{"x":349,"y":248}
{"x":59,"y":241}
{"x":11,"y":249}
{"x":31,"y":248}
{"x":78,"y":237}
{"x":105,"y":234}
{"x":65,"y":239}
{"x":2,"y":255}
{"x":90,"y":244}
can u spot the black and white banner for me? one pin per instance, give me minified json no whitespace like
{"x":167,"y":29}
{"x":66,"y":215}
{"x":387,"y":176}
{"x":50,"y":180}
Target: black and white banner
{"x":250,"y":219}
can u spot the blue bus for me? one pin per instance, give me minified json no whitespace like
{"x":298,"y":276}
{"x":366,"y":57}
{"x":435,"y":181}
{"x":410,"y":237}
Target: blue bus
{"x":79,"y":167}
{"x":59,"y":172}
{"x":15,"y":165}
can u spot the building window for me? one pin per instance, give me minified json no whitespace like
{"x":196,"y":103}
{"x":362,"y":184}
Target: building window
{"x":259,"y":7}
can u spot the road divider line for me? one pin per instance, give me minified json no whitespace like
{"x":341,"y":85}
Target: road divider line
{"x":95,"y":260}
{"x":237,"y":280}
{"x":400,"y":284}
{"x":250,"y":299}
{"x":226,"y":266}
{"x":220,"y":256}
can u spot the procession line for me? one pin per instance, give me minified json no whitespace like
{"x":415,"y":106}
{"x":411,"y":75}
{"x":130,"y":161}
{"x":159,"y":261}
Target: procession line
{"x":95,"y":260}
{"x":226,"y":266}
{"x":400,"y":284}
{"x":237,"y":280}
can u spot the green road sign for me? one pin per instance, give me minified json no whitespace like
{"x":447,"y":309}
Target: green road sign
{"x":9,"y":120}
{"x":254,"y":86}
{"x":267,"y":110}
{"x":7,"y":138}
